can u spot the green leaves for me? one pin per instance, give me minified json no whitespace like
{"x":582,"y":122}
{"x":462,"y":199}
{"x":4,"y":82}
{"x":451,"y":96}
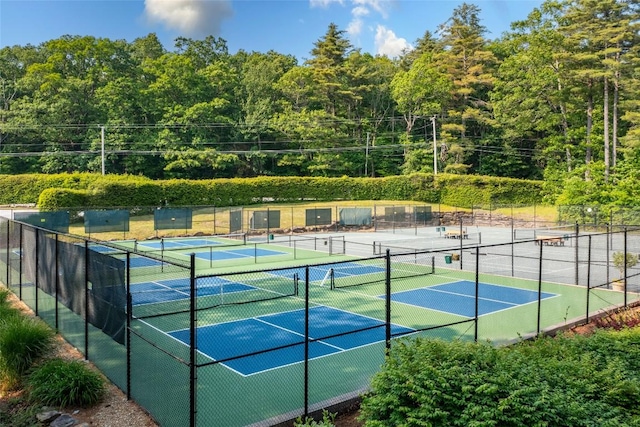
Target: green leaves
{"x":65,"y":383}
{"x":547,"y":382}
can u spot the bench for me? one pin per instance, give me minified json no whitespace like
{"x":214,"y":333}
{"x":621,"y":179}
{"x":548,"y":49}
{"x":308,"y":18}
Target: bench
{"x":550,"y":240}
{"x":456,"y":235}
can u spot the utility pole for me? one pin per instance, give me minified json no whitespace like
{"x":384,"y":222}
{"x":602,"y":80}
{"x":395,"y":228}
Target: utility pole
{"x":435,"y":149}
{"x":102,"y":145}
{"x":366,"y":158}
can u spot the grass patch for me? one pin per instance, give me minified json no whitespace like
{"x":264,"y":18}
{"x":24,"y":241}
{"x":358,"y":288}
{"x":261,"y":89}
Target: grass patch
{"x":23,"y":340}
{"x":65,"y":383}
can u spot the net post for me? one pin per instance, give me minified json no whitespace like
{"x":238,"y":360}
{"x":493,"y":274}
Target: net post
{"x":193,"y":345}
{"x":332,"y":279}
{"x":433,"y":265}
{"x":387,"y":282}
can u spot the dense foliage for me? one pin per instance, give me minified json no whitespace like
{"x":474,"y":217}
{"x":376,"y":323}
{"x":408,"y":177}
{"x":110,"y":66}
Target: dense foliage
{"x":556,"y":98}
{"x":564,"y":381}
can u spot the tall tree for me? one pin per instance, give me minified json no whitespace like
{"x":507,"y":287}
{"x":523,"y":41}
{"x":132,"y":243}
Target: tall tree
{"x":469,"y":63}
{"x":328,"y":57}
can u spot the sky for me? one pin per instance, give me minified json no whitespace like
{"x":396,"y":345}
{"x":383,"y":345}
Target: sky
{"x":379,"y":27}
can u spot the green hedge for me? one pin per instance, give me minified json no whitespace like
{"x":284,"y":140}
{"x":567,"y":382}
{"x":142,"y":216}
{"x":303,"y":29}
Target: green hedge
{"x":87,"y":190}
{"x":25,"y":189}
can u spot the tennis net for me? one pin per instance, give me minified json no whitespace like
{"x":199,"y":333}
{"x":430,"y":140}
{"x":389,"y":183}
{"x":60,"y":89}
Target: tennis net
{"x":187,"y":243}
{"x":172,"y":296}
{"x":371,"y":271}
{"x":535,"y":233}
{"x":405,"y":246}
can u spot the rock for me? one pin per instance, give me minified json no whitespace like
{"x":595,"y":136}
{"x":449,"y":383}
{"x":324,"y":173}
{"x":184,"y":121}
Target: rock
{"x":47,"y":416}
{"x":64,"y":420}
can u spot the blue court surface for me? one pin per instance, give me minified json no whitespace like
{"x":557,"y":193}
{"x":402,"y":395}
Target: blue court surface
{"x":135,"y":261}
{"x":177,"y":244}
{"x":229,"y":342}
{"x":179,"y":289}
{"x":459,"y":297}
{"x":217,"y":255}
{"x":319,"y":272}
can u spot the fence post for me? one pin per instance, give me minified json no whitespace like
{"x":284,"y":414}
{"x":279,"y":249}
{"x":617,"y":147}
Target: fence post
{"x":475,"y":332}
{"x":589,"y":276}
{"x":387,"y":282}
{"x":625,"y":266}
{"x":540,"y":290}
{"x":609,"y":243}
{"x":35,"y":279}
{"x":21,"y":250}
{"x":129,"y":316}
{"x":306,"y":341}
{"x":86,"y":300}
{"x":577,"y":256}
{"x":57,"y":282}
{"x":461,"y":244}
{"x":8,"y":246}
{"x":193,"y":341}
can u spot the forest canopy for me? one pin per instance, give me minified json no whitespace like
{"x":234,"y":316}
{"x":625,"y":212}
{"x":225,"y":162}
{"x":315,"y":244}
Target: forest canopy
{"x":556,"y":98}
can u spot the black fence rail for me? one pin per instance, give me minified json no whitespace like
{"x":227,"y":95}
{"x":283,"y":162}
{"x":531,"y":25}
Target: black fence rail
{"x":264,"y":346}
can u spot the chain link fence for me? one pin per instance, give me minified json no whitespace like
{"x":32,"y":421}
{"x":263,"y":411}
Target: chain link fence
{"x":264,"y":345}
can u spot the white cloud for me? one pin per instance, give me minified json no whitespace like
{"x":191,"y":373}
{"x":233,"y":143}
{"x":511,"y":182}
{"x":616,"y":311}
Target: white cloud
{"x":388,"y":44}
{"x":379,"y":6}
{"x":324,"y":3}
{"x":360,"y":11}
{"x":190,"y":17}
{"x":355,"y":27}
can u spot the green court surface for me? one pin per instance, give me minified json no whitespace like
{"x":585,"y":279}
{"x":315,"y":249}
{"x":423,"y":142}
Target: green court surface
{"x":243,"y":286}
{"x":228,"y":398}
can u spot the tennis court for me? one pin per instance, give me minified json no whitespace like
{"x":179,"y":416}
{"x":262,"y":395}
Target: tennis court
{"x":460,"y":298}
{"x":231,"y":342}
{"x":272,"y":329}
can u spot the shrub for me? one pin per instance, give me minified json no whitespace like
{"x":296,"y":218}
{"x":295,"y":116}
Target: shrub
{"x":65,"y":383}
{"x":22,"y":341}
{"x":326,"y":421}
{"x":7,"y":311}
{"x":560,"y":382}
